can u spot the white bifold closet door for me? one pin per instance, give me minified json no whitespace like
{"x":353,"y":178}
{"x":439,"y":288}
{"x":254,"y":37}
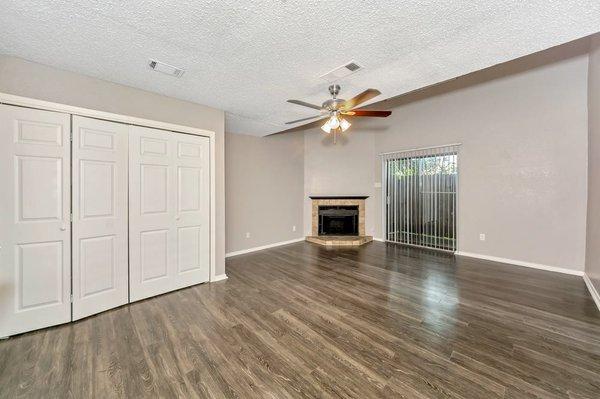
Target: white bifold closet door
{"x":35,"y":234}
{"x":168,"y":211}
{"x":100,"y":269}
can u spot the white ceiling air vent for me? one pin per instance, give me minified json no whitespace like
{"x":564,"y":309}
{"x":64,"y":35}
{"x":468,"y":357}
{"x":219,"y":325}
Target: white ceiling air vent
{"x":341,"y":72}
{"x":165,"y":68}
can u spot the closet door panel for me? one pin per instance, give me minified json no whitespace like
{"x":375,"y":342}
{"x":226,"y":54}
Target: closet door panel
{"x":192,"y":218}
{"x":152,"y":254}
{"x":35,"y":253}
{"x":100,"y":264}
{"x":169,"y":211}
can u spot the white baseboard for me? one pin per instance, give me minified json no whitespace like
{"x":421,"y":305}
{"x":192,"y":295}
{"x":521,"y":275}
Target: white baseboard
{"x":218,"y":277}
{"x":277,"y":244}
{"x":521,"y":263}
{"x":592,"y":290}
{"x":378,"y":239}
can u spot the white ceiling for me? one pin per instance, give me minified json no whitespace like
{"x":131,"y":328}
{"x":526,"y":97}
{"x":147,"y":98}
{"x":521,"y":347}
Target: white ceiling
{"x":249,"y":57}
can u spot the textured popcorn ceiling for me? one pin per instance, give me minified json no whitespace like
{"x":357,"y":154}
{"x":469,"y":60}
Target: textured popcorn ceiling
{"x":248,"y":57}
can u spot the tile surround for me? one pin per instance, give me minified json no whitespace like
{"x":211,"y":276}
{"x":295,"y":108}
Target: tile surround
{"x":349,"y":240}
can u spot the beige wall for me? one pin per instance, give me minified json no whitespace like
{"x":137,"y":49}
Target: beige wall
{"x":592,"y":266}
{"x":263,"y":180}
{"x":522,"y":165}
{"x":34,"y":80}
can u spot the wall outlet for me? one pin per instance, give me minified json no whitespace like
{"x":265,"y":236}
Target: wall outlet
{"x":481,"y":237}
{"x":248,"y":235}
{"x":293,"y":228}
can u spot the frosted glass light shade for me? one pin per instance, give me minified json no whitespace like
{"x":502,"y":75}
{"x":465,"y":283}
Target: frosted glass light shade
{"x":344,"y":124}
{"x":335,"y":123}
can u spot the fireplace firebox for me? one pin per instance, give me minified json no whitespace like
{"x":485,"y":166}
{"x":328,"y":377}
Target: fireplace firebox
{"x":338,"y":220}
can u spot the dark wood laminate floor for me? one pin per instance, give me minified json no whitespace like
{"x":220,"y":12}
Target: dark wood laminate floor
{"x":305,"y":321}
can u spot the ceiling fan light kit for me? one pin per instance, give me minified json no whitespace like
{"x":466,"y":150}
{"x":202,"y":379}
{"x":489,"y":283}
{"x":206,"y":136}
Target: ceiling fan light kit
{"x":336,"y":108}
{"x":335,"y":123}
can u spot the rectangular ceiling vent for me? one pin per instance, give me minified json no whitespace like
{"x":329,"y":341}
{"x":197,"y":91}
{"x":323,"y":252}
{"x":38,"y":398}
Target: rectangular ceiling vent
{"x":165,"y":68}
{"x":341,"y":72}
{"x":353,"y":66}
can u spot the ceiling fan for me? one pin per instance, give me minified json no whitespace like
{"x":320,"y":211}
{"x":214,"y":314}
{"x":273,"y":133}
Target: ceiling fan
{"x":336,"y":108}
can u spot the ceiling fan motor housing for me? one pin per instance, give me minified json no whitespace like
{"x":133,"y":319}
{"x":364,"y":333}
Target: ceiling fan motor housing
{"x":334,"y":90}
{"x":335,"y":107}
{"x":333,"y":104}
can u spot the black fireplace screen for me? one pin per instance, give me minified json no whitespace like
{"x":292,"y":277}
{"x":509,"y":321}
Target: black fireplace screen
{"x":338,"y":220}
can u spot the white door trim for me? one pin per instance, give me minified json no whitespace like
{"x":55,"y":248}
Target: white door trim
{"x":109,"y":116}
{"x":11,"y":99}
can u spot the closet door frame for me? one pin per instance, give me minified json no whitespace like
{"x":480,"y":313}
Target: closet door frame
{"x":11,"y":99}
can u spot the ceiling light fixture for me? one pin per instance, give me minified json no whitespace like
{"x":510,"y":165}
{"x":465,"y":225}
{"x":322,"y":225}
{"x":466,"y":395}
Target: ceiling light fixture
{"x":335,"y":109}
{"x":344,"y":125}
{"x":335,"y":124}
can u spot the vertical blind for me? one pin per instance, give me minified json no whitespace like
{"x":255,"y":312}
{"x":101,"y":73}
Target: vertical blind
{"x":420,"y":196}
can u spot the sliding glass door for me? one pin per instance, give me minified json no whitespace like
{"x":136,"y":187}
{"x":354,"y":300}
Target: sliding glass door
{"x":421,"y":192}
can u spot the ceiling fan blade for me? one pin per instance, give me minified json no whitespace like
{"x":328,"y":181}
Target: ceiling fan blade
{"x":360,"y":98}
{"x":304,"y":104}
{"x":307,"y":119}
{"x":380,"y":114}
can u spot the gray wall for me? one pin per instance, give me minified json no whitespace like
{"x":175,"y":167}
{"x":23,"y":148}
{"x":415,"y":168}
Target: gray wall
{"x":33,"y":80}
{"x":523,"y":160}
{"x":263,"y":181}
{"x":592,"y":265}
{"x":347,"y":168}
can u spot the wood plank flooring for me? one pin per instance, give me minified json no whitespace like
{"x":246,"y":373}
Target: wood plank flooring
{"x":305,"y":321}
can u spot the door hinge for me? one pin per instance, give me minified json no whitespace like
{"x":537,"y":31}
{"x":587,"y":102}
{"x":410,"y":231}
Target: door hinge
{"x":71,"y":298}
{"x":71,"y":218}
{"x":71,"y":135}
